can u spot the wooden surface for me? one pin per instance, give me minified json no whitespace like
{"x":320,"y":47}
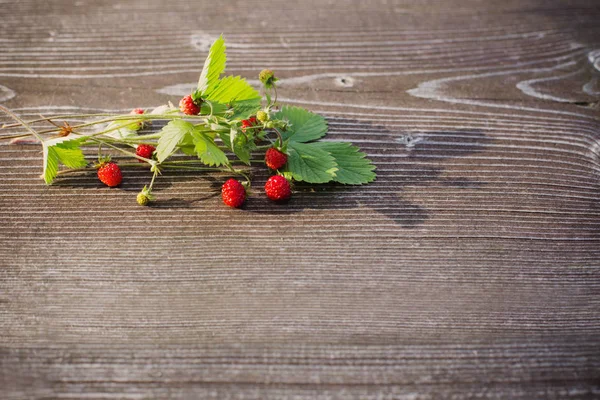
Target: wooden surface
{"x":470,"y":269}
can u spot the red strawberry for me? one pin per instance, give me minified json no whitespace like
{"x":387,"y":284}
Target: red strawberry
{"x":234,"y":193}
{"x":278,"y":188}
{"x":145,"y":150}
{"x":109,"y":173}
{"x":248,"y":123}
{"x":274,"y":158}
{"x":140,"y":124}
{"x":188,"y":106}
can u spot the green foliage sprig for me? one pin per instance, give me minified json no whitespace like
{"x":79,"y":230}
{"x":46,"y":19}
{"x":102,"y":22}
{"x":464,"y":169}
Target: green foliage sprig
{"x":230,"y":123}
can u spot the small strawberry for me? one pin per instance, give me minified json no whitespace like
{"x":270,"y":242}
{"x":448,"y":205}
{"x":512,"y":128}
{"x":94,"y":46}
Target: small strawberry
{"x":249,"y":123}
{"x":267,"y":77}
{"x":262,"y":116}
{"x":109,"y":173}
{"x":145,"y":150}
{"x":274,"y":158}
{"x":140,"y":124}
{"x":234,"y":193}
{"x":278,"y":188}
{"x":188,"y":106}
{"x":144,"y":197}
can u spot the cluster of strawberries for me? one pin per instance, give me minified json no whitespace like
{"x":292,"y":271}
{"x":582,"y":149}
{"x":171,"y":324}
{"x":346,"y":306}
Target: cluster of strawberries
{"x":277,"y":187}
{"x":233,"y":191}
{"x":110,"y":174}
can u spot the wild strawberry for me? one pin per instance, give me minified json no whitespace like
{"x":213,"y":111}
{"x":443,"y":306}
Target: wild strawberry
{"x":109,"y":173}
{"x":144,"y":197}
{"x":278,"y":188}
{"x":274,"y":158}
{"x":145,"y":150}
{"x":267,"y":77}
{"x":248,"y":123}
{"x":234,"y":193}
{"x":139,"y":124}
{"x":188,"y":106}
{"x":262,"y":116}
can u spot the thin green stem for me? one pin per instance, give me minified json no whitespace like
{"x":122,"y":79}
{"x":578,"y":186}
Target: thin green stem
{"x":15,"y":136}
{"x":156,"y":172}
{"x":90,"y":169}
{"x":245,"y":176}
{"x":252,"y":161}
{"x":67,"y":116}
{"x":121,"y":150}
{"x":143,"y":138}
{"x":114,"y":118}
{"x":279,"y":136}
{"x":16,"y":118}
{"x":74,"y":170}
{"x":190,"y":168}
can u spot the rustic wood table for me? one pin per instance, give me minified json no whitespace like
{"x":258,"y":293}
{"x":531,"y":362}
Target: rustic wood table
{"x":469,"y":269}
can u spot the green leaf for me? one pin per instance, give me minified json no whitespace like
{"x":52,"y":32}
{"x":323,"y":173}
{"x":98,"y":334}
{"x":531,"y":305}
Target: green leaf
{"x":245,"y":108}
{"x":187,"y":146}
{"x":123,"y":129}
{"x":309,"y":163}
{"x":208,"y":152}
{"x":213,"y":66}
{"x":240,"y":145}
{"x":304,"y":125}
{"x":231,"y":88}
{"x":67,"y":152}
{"x":171,"y":135}
{"x":353,"y":167}
{"x":213,"y":107}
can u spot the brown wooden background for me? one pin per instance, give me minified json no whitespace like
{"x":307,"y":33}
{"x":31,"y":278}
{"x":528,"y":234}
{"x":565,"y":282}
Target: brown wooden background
{"x":470,"y":269}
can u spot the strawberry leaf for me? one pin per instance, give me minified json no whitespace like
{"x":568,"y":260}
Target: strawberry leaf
{"x":304,"y":126}
{"x":213,"y":66}
{"x":245,"y":108}
{"x":212,"y":107}
{"x":208,"y":152}
{"x":353,"y":167}
{"x":241,"y":146}
{"x":231,"y":88}
{"x":171,"y":135}
{"x":63,"y":150}
{"x":310,"y":163}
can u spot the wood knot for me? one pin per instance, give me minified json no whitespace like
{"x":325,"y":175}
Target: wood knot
{"x":344,"y":81}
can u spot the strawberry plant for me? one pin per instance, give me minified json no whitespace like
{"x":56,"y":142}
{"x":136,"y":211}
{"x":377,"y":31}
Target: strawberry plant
{"x":221,"y":126}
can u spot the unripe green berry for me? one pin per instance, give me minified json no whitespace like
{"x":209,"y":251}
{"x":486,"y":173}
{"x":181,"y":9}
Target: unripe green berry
{"x":267,"y":77}
{"x":270,"y":125}
{"x":142,"y":199}
{"x":262,"y":116}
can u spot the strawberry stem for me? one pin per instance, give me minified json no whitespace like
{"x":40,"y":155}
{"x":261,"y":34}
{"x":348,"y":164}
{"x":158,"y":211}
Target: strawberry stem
{"x":102,"y":142}
{"x":279,"y":137}
{"x":14,"y":116}
{"x":156,"y":172}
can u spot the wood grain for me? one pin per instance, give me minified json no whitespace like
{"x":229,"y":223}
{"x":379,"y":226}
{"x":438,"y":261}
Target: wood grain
{"x":469,"y":269}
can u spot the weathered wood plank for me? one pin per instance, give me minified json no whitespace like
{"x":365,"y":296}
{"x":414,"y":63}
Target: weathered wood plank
{"x":470,"y":268}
